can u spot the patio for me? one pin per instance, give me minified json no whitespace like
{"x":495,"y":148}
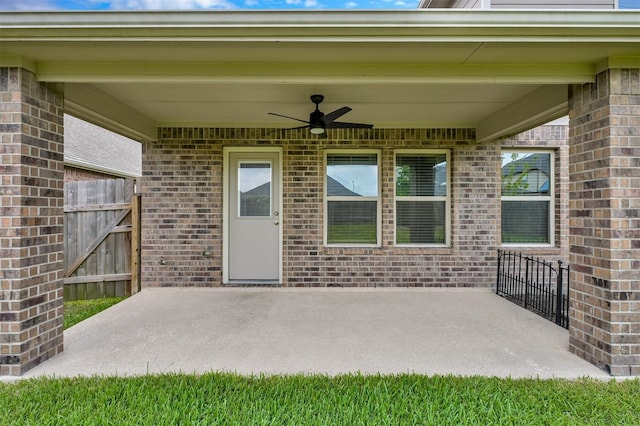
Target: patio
{"x":328,"y":331}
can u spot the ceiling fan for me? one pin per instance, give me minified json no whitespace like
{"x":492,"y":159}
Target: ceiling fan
{"x":319,"y":122}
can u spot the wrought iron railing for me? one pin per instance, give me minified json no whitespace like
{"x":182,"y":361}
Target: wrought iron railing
{"x":536,"y":285}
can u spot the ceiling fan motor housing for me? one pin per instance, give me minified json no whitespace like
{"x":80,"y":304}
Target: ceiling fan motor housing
{"x":316,"y":123}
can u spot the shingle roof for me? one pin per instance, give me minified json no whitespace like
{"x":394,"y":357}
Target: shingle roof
{"x":91,"y":147}
{"x":528,"y":163}
{"x":337,"y":189}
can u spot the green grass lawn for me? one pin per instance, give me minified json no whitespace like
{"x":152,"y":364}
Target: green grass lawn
{"x":356,"y":234}
{"x":227,"y":399}
{"x":79,"y":310}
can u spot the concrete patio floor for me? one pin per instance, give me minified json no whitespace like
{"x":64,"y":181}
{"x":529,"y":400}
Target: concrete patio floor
{"x":328,"y":331}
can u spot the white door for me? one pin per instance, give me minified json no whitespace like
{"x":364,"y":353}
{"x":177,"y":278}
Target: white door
{"x":254,"y":217}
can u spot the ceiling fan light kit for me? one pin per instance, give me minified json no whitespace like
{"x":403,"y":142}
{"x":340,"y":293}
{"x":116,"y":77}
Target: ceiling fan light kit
{"x":319,"y":122}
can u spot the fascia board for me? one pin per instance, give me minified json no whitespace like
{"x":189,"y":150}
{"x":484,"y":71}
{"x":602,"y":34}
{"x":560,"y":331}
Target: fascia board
{"x":78,"y":164}
{"x":454,"y":25}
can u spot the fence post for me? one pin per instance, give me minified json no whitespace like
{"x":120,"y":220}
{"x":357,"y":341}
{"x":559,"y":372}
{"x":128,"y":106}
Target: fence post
{"x":135,"y":243}
{"x":498,"y":278}
{"x":565,"y":301}
{"x":526,"y":283}
{"x":559,"y":294}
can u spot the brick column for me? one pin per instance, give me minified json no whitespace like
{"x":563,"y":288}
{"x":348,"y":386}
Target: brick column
{"x":604,"y":157}
{"x":31,"y":219}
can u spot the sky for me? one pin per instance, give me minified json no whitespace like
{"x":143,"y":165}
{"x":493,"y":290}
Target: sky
{"x":203,"y":4}
{"x":361,"y":179}
{"x":33,"y":5}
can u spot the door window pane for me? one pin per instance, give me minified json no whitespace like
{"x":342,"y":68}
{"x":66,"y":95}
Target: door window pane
{"x":254,"y":185}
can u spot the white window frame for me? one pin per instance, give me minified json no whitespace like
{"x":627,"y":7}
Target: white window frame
{"x":446,"y":198}
{"x":377,"y":199}
{"x":550,"y":198}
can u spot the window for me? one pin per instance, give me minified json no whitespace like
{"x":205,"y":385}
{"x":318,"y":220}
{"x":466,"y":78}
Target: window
{"x":352,"y":198}
{"x":422,"y":202}
{"x":527,"y":197}
{"x":254,"y":185}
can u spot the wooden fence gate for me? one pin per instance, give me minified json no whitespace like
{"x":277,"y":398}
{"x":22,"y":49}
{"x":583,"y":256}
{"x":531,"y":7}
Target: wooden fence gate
{"x":101,"y":239}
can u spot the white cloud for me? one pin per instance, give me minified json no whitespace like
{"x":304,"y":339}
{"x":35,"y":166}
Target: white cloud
{"x":305,"y":3}
{"x":170,"y":4}
{"x":27,"y":5}
{"x":43,"y":5}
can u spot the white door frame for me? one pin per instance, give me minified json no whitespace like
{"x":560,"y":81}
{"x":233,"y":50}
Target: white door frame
{"x":225,"y":204}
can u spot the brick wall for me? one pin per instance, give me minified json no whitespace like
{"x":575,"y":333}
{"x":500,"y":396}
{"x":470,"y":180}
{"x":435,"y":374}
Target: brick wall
{"x":31,"y":235}
{"x":181,"y":201}
{"x":309,"y":263}
{"x":183,"y":209}
{"x":605,"y":221}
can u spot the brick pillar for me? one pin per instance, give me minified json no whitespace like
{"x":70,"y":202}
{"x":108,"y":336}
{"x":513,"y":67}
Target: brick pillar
{"x":604,"y":158}
{"x":31,"y":219}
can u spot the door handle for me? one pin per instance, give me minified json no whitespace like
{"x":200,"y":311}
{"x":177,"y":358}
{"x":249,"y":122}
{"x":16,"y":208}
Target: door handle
{"x":276,"y":223}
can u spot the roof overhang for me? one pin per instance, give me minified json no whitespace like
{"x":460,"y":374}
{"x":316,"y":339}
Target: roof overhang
{"x":498,"y":71}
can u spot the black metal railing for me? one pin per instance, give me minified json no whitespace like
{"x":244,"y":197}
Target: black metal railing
{"x":535,"y":284}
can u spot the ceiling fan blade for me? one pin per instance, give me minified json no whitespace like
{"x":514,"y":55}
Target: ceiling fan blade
{"x":296,"y":128}
{"x":328,"y":118}
{"x":342,"y":125}
{"x":286,"y":116}
{"x":289,"y":128}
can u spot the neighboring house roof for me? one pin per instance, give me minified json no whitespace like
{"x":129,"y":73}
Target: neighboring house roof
{"x":335,"y":188}
{"x":264,"y":189}
{"x":531,"y":162}
{"x":90,"y":147}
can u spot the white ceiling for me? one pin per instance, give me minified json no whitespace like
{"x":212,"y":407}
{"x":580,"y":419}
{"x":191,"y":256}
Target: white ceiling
{"x":247,"y":104}
{"x":496,"y":71}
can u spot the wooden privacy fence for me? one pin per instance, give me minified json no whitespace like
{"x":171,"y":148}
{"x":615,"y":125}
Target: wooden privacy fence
{"x":101,"y":230}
